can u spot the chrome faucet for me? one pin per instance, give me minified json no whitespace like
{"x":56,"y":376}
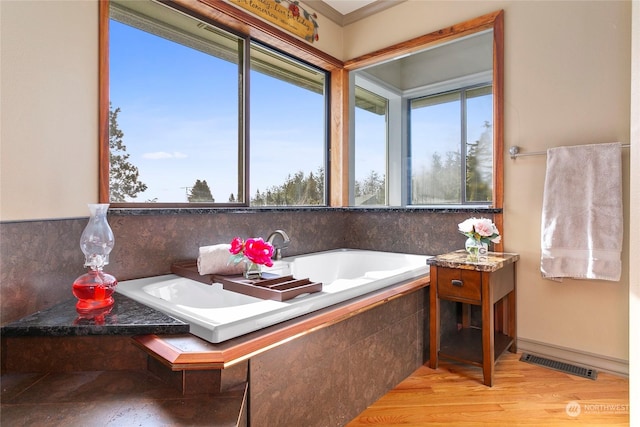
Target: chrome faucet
{"x":277,"y":254}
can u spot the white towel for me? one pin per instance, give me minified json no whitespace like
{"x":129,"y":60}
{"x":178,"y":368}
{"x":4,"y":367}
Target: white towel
{"x":582,"y":223}
{"x":215,"y":260}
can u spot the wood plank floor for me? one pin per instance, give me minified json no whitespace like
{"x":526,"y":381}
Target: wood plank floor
{"x":523,"y":394}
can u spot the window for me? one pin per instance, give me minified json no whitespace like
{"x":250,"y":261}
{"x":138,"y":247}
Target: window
{"x":199,"y":114}
{"x":451,"y":147}
{"x":370,"y":148}
{"x":440,"y":127}
{"x":288,"y":131}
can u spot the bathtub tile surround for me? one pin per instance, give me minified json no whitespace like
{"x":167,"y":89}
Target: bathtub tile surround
{"x":328,"y":377}
{"x":40,"y":259}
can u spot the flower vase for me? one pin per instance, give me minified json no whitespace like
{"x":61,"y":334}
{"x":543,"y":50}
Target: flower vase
{"x":252,"y":271}
{"x":477,"y":250}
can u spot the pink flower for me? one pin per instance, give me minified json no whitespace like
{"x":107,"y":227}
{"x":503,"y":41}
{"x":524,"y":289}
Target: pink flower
{"x":480,"y":229}
{"x":484,"y":227}
{"x":236,"y":245}
{"x":295,"y":10}
{"x":258,"y":251}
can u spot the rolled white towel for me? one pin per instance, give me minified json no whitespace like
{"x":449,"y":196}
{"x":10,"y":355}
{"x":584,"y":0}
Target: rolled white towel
{"x":214,"y":259}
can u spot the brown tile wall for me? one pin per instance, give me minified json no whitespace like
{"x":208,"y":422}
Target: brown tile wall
{"x":330,"y":376}
{"x":70,"y":354}
{"x":39,"y":260}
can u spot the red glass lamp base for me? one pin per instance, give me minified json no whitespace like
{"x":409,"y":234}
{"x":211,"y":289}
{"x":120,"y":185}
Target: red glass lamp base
{"x":94,"y":291}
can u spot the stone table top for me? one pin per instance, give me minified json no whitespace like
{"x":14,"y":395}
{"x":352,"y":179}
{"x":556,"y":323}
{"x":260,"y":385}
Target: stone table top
{"x":124,"y":317}
{"x":460,"y":259}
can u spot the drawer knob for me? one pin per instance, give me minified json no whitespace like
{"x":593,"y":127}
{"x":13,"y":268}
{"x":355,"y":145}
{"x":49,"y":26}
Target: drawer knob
{"x":457,"y":283}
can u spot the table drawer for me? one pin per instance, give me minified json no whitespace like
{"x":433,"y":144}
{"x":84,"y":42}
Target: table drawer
{"x":459,"y":284}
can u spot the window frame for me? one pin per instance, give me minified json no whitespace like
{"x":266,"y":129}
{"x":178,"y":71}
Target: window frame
{"x":461,"y":87}
{"x":244,"y":25}
{"x":393,"y":147}
{"x":491,"y":21}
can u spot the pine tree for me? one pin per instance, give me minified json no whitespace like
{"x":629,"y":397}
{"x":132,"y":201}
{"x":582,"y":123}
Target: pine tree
{"x":123,"y":175}
{"x":200,"y":192}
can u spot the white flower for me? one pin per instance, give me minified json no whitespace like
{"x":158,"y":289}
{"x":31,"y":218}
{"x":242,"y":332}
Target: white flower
{"x":467,"y":225}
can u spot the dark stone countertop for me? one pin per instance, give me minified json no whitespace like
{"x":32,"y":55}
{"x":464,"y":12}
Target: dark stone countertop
{"x":460,"y":259}
{"x":124,"y":317}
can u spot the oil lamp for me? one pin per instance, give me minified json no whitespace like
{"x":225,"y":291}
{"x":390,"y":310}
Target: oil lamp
{"x":95,"y":288}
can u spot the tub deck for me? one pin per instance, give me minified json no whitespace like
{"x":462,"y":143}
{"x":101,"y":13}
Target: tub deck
{"x":188,"y":352}
{"x":216,"y":315}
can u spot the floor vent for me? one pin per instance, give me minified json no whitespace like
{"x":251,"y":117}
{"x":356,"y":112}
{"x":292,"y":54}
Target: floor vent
{"x":592,"y":374}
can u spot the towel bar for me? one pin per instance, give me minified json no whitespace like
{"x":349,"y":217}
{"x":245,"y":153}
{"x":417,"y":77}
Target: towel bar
{"x":514,"y":151}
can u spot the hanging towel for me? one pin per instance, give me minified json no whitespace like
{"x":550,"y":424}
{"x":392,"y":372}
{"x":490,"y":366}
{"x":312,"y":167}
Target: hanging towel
{"x":582,"y":213}
{"x":214,"y":259}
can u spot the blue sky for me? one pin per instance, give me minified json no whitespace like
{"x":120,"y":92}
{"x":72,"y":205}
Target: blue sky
{"x":179,"y":118}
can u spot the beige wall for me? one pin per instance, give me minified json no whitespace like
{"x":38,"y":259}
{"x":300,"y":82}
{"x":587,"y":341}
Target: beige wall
{"x":634,"y":244}
{"x":49,"y":116}
{"x":567,"y":67}
{"x":568,"y":86}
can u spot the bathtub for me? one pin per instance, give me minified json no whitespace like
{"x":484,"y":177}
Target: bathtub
{"x":215,"y":314}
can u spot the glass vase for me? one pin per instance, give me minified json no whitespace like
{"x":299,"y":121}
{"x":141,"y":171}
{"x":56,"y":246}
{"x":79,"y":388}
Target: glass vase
{"x":252,"y":271}
{"x":477,"y":250}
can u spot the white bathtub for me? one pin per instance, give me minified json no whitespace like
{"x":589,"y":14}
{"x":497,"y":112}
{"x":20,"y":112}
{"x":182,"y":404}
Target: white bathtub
{"x":215,"y":314}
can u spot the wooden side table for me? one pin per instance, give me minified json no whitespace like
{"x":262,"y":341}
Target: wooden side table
{"x":490,"y":284}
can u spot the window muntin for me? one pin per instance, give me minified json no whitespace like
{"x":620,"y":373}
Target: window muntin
{"x":199,"y":132}
{"x":442,"y":127}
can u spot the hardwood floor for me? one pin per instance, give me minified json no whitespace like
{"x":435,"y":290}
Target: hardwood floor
{"x":523,"y":394}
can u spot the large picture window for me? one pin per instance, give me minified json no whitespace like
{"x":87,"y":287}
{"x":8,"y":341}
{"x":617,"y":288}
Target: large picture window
{"x":201,"y":115}
{"x":444,"y":116}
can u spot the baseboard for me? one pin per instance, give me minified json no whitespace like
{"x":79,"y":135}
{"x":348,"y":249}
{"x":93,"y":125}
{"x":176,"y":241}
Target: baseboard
{"x":575,"y":357}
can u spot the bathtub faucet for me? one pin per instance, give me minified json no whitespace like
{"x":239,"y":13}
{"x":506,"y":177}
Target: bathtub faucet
{"x":277,"y":254}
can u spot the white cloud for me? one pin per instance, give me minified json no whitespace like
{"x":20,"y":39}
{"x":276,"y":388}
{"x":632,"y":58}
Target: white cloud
{"x":158,"y":155}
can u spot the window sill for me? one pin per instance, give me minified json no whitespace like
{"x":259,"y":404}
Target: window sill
{"x":119,"y":211}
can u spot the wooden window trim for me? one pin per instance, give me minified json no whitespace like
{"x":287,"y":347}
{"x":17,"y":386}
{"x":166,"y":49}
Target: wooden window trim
{"x":227,"y":16}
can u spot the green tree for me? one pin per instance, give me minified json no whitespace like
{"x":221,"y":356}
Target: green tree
{"x":480,"y":167}
{"x":297,"y":190}
{"x":200,"y":192}
{"x":371,"y":190}
{"x":123,"y":175}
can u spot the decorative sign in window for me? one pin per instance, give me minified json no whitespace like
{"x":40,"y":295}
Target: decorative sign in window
{"x":286,"y":14}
